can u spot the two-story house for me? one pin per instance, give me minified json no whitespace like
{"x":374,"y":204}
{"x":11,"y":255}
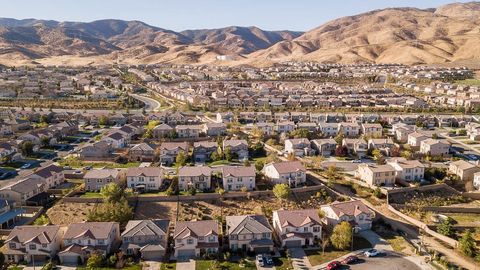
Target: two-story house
{"x":238,"y":147}
{"x":142,"y":152}
{"x":236,"y":178}
{"x":170,"y":150}
{"x":407,"y":170}
{"x":147,"y":239}
{"x":202,"y":151}
{"x":249,"y":233}
{"x":97,"y":179}
{"x":376,"y":175}
{"x":297,"y":228}
{"x":83,"y":239}
{"x":27,"y":243}
{"x":52,"y":175}
{"x":354,"y":212}
{"x":22,"y":191}
{"x":214,"y":129}
{"x":372,"y":130}
{"x":144,"y":178}
{"x":349,"y":130}
{"x":299,"y":147}
{"x":292,"y":173}
{"x":357,"y":147}
{"x":199,"y":177}
{"x":195,"y":238}
{"x":188,"y":131}
{"x":463,"y":169}
{"x":324,"y":147}
{"x":434,"y":147}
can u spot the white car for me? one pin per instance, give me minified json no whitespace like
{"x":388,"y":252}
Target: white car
{"x":260,"y":261}
{"x":25,"y":166}
{"x":371,"y":253}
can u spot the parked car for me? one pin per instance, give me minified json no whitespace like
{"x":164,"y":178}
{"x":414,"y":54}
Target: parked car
{"x":268,"y":260}
{"x":350,"y":260}
{"x":25,"y":166}
{"x":333,"y":265}
{"x":371,"y":253}
{"x":260,"y":261}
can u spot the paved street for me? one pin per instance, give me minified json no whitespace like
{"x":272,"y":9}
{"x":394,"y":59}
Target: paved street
{"x":376,"y":241}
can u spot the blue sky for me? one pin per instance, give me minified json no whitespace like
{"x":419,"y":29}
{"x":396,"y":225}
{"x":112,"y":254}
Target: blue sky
{"x":196,"y":14}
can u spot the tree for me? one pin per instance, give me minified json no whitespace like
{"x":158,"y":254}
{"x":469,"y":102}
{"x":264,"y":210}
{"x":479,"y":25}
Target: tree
{"x":331,"y":172}
{"x":339,"y":138}
{"x":300,"y":133}
{"x":181,"y":159}
{"x":112,"y":193}
{"x":378,"y":156}
{"x":45,"y":141}
{"x":42,"y":220}
{"x":317,"y":162}
{"x":282,"y":191}
{"x":94,"y":261}
{"x":342,"y":235}
{"x":445,"y":227}
{"x":341,"y":151}
{"x":407,"y":154}
{"x":259,"y":165}
{"x":467,"y":245}
{"x":228,"y":154}
{"x":291,"y":156}
{"x":26,"y":149}
{"x":111,"y":212}
{"x":325,"y":242}
{"x":103,"y":120}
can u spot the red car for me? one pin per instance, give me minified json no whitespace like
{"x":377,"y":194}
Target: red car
{"x":333,"y":265}
{"x":350,"y":260}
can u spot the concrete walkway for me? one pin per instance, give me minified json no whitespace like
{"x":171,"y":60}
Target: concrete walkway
{"x":186,"y":265}
{"x":151,"y":265}
{"x":299,"y":259}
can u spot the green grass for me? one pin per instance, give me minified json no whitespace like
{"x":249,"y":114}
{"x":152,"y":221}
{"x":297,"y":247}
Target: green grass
{"x":282,"y":263}
{"x":89,"y":194}
{"x":465,"y":219}
{"x":15,"y":268}
{"x":77,"y":163}
{"x":170,"y":265}
{"x":469,"y":142}
{"x":207,"y":264}
{"x":218,"y":162}
{"x":130,"y":267}
{"x":474,"y":82}
{"x":316,"y":257}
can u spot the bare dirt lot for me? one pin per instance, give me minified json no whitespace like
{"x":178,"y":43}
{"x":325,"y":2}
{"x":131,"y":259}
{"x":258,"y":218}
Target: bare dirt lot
{"x":67,"y":213}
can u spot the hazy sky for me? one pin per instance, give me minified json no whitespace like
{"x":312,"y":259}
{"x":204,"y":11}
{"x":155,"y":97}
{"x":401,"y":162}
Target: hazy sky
{"x":195,"y":14}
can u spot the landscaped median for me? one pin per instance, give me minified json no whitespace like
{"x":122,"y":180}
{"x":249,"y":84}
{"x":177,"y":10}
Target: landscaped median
{"x":317,"y":257}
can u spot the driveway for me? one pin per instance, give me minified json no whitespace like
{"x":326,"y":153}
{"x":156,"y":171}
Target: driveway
{"x":151,"y":265}
{"x":186,"y":265}
{"x":376,"y":241}
{"x":299,"y":259}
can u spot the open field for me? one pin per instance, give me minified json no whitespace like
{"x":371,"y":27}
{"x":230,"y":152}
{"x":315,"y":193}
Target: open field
{"x":67,"y":213}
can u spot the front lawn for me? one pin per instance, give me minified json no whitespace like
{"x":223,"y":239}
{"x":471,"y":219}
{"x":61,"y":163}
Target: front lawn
{"x":170,"y":265}
{"x":282,"y":263}
{"x":131,"y":267}
{"x":207,"y":264}
{"x":90,"y":194}
{"x":316,"y":257}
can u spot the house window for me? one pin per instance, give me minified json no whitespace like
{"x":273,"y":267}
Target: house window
{"x":211,"y":239}
{"x":101,"y":241}
{"x":12,"y":245}
{"x":32,"y":247}
{"x":179,"y":240}
{"x":305,"y":229}
{"x":316,"y":229}
{"x":190,"y":241}
{"x":44,"y":245}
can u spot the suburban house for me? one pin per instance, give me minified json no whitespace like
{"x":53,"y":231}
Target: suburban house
{"x":266,"y":128}
{"x":407,"y":170}
{"x":188,"y":131}
{"x":292,"y":173}
{"x":195,"y":238}
{"x":199,"y":177}
{"x":299,"y":147}
{"x":415,"y":139}
{"x":142,"y":152}
{"x":372,"y":130}
{"x":83,"y":239}
{"x":357,"y":147}
{"x":463,"y":169}
{"x":163,"y":131}
{"x":297,"y":228}
{"x":52,"y":175}
{"x":476,"y":180}
{"x":237,"y":147}
{"x":116,"y":139}
{"x":144,"y":178}
{"x":96,"y":151}
{"x":147,"y":239}
{"x":324,"y":147}
{"x":385,"y":146}
{"x":434,"y":147}
{"x":328,"y":129}
{"x":284,"y":127}
{"x":350,"y":130}
{"x":97,"y":179}
{"x":236,"y":178}
{"x":249,"y":233}
{"x":23,"y":191}
{"x":376,"y":175}
{"x":202,"y":151}
{"x":354,"y":212}
{"x":27,"y":243}
{"x":214,"y":129}
{"x":170,"y":150}
{"x":10,"y":214}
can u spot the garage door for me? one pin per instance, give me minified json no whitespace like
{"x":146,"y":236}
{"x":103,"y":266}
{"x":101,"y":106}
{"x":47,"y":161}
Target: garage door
{"x":69,"y":259}
{"x":293,"y":243}
{"x":262,"y":250}
{"x":187,"y":253}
